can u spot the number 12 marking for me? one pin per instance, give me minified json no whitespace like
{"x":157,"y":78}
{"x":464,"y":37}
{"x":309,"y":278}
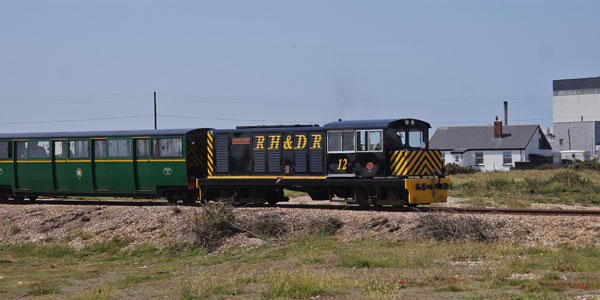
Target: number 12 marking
{"x":344,"y":161}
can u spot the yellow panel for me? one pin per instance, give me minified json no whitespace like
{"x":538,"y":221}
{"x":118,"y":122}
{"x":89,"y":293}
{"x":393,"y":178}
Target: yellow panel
{"x":418,"y":196}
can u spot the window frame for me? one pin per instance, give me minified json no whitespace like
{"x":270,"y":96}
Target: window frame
{"x":356,"y":146}
{"x":408,"y":139}
{"x":504,"y":158}
{"x":157,"y":139}
{"x":105,"y":141}
{"x":117,"y":139}
{"x":17,"y":142}
{"x":31,"y":142}
{"x":148,"y":147}
{"x":482,"y":158}
{"x":342,"y":141}
{"x":78,"y":140}
{"x":65,"y":149}
{"x":9,"y":150}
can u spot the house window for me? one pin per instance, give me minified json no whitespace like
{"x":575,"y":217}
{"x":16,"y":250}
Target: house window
{"x":479,"y":158}
{"x":507,"y":158}
{"x":443,"y":157}
{"x":456,"y":158}
{"x":561,"y":141}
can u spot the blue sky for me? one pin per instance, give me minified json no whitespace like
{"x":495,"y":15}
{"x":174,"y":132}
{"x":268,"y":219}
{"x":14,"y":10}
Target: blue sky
{"x":93,"y":65}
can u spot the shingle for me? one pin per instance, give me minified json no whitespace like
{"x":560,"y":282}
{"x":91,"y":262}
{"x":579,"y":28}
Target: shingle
{"x":482,"y":137}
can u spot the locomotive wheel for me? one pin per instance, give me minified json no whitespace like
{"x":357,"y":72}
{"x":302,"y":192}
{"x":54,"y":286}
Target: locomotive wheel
{"x":32,"y":198}
{"x":190,"y":198}
{"x":19,"y":198}
{"x":361,"y":197}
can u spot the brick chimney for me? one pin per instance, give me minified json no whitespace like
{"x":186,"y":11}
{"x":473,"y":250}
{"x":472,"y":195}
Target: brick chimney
{"x":497,"y":128}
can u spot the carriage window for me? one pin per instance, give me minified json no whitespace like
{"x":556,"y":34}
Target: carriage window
{"x":369,"y":140}
{"x":5,"y":150}
{"x":119,"y":148}
{"x":39,"y":149}
{"x":415,"y":139}
{"x":167,"y":147}
{"x":141,"y":147}
{"x":100,"y":149}
{"x":60,"y":148}
{"x":79,"y":149}
{"x":22,"y":149}
{"x":340,"y":141}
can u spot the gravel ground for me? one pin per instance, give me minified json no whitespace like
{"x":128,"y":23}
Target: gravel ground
{"x":163,"y":225}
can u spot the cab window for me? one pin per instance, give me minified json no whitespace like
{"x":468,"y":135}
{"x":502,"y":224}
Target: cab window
{"x":415,"y":139}
{"x":340,"y":141}
{"x":369,"y":140}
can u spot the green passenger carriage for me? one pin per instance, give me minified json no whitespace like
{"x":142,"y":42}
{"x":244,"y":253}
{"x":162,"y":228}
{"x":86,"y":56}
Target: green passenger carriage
{"x":133,"y":163}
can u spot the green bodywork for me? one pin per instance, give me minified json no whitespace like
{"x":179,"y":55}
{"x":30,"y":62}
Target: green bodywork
{"x":143,"y":176}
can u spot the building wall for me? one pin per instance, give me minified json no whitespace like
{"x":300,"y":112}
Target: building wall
{"x":583,"y":136}
{"x":570,"y":108}
{"x":493,"y":160}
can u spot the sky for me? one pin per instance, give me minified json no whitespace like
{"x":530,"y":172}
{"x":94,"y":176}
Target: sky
{"x":94,"y":65}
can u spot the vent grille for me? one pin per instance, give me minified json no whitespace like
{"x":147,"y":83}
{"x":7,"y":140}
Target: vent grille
{"x":222,"y":147}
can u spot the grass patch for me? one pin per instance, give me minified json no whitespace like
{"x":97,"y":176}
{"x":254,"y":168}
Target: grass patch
{"x":301,"y":284}
{"x":523,"y":187}
{"x":45,"y":288}
{"x":110,"y":247}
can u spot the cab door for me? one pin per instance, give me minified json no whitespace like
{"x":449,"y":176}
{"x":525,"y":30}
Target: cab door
{"x":341,"y":153}
{"x":370,"y":157}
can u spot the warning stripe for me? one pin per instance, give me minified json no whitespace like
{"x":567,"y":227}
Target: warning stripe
{"x":209,"y":156}
{"x":415,"y":163}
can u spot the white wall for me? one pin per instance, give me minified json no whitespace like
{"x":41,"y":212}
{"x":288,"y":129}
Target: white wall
{"x":493,"y":159}
{"x":571,"y":108}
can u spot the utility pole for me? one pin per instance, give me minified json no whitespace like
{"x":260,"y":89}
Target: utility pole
{"x":154,"y":110}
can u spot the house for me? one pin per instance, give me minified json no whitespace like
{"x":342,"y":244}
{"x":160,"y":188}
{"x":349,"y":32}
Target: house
{"x":493,"y":148}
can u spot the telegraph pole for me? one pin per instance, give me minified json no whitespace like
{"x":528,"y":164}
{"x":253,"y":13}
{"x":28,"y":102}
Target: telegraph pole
{"x":154,"y":110}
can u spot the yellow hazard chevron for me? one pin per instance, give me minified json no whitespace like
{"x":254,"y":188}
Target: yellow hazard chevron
{"x":209,"y":153}
{"x":415,"y":163}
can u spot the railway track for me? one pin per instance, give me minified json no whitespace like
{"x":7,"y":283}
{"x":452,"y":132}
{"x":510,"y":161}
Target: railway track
{"x":461,"y":210}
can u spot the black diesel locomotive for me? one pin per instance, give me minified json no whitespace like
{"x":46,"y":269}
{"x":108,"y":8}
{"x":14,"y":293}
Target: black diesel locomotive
{"x":365,"y":162}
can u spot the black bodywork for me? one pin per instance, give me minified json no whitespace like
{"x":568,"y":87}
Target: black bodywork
{"x":254,"y":163}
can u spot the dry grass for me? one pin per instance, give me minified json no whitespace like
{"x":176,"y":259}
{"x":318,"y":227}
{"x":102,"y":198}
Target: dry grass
{"x":522,"y":188}
{"x":451,"y":227}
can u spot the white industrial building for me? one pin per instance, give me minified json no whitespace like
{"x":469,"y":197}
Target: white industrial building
{"x":493,"y":148}
{"x":576,"y":117}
